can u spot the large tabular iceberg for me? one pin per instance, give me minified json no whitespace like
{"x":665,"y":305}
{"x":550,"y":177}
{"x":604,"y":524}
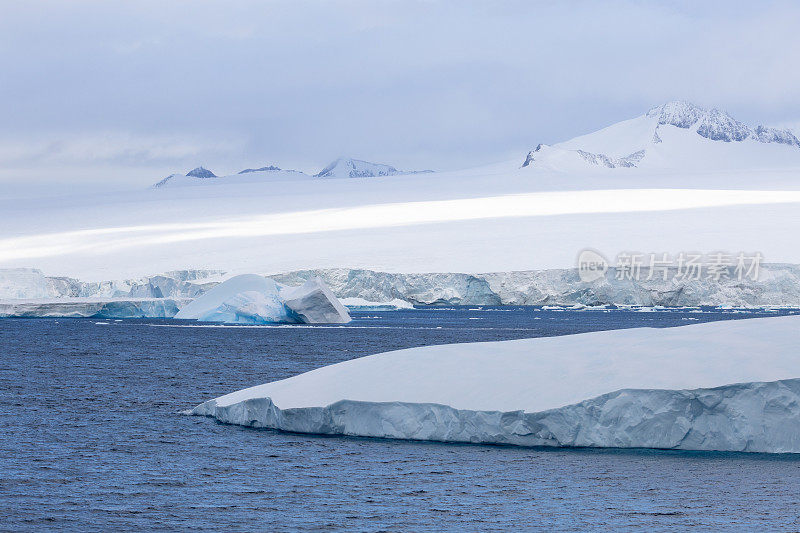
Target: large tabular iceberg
{"x":732,"y":385}
{"x":254,"y":299}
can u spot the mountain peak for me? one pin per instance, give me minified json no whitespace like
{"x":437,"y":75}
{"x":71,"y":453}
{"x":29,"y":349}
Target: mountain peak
{"x":713,"y":124}
{"x":677,"y":113}
{"x":670,"y":131}
{"x":262,"y":169}
{"x":355,"y":168}
{"x":201,"y":172}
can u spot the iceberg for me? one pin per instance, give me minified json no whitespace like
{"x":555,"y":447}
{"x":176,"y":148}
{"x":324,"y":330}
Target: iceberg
{"x":254,"y":299}
{"x":729,"y":386}
{"x":245,"y":299}
{"x":360,"y":304}
{"x":314,"y":303}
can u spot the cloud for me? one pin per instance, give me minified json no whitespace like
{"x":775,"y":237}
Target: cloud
{"x":115,"y":147}
{"x":416,"y":84}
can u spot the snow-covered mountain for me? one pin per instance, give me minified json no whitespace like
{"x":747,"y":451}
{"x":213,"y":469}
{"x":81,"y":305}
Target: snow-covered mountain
{"x":248,"y":175}
{"x":681,"y":181}
{"x":270,"y":168}
{"x":355,"y":168}
{"x":341,"y":168}
{"x":201,"y":172}
{"x":194,"y":175}
{"x":675,"y":135}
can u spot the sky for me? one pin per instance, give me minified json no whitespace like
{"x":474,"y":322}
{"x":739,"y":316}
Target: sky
{"x":121,"y":94}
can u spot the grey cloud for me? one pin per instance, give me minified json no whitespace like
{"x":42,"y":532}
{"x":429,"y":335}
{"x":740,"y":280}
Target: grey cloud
{"x":415,"y":84}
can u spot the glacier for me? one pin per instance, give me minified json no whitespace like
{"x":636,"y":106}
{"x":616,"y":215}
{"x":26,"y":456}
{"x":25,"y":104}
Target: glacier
{"x":778,"y":286}
{"x":724,"y":386}
{"x":653,"y":183}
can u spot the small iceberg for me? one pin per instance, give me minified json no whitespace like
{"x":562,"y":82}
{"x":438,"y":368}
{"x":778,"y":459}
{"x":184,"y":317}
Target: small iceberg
{"x":728,"y":385}
{"x":360,"y":304}
{"x":254,"y":299}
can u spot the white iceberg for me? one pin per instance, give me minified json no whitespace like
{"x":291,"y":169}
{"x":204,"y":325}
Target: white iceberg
{"x":314,"y":303}
{"x":730,"y":385}
{"x":254,"y":299}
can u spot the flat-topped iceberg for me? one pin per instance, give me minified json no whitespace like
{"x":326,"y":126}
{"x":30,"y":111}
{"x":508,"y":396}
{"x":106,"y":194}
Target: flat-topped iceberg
{"x":732,"y":385}
{"x":254,"y":299}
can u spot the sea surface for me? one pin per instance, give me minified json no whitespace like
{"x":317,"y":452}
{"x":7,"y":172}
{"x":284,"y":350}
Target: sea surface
{"x":92,"y":439}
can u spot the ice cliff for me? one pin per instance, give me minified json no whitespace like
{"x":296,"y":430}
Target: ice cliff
{"x":729,"y":386}
{"x":92,"y":308}
{"x":778,"y":285}
{"x":31,"y":283}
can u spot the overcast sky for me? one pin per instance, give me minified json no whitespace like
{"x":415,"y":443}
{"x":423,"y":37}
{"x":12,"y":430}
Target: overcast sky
{"x":130,"y":92}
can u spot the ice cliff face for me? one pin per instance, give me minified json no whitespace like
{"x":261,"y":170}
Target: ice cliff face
{"x":778,"y":285}
{"x":29,"y":283}
{"x":118,"y":308}
{"x":744,"y":417}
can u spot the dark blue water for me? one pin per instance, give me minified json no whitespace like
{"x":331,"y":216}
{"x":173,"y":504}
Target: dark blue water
{"x":92,"y":440}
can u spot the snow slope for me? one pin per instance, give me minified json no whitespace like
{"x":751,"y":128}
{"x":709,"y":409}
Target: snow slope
{"x":743,"y":197}
{"x":729,"y":385}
